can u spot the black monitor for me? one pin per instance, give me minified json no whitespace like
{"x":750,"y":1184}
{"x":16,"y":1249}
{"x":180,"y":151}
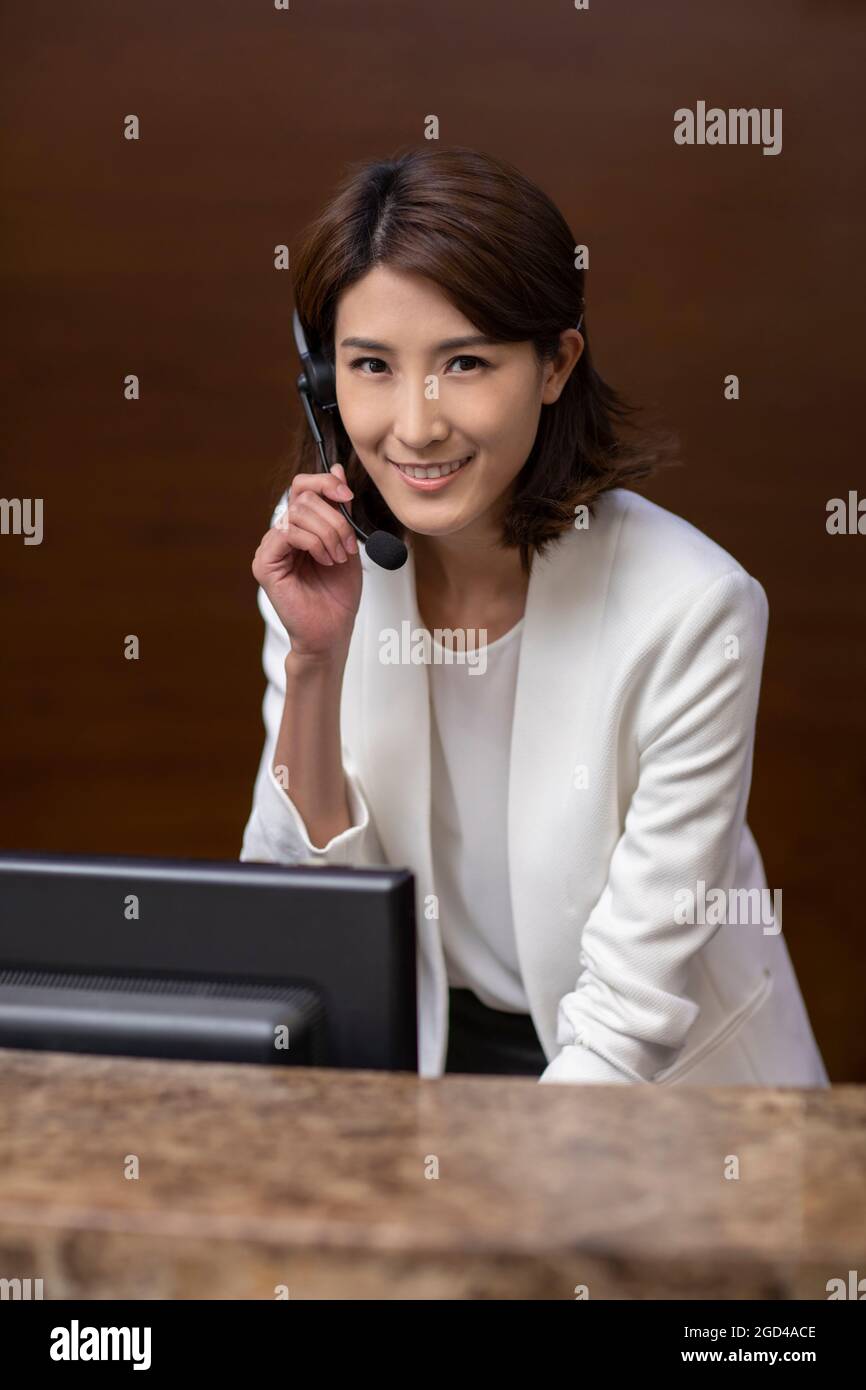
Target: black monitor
{"x":217,"y":961}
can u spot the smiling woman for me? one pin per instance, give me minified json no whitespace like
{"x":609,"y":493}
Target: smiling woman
{"x":443,"y":287}
{"x":555,"y":810}
{"x":434,"y":418}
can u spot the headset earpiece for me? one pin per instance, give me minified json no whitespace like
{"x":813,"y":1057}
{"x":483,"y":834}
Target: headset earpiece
{"x":317,"y":386}
{"x":319,"y":374}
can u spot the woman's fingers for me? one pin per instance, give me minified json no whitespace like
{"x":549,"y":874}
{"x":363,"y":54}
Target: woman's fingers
{"x":311,"y":523}
{"x":328,"y":485}
{"x":302,"y":538}
{"x":312,"y":512}
{"x":339,"y":472}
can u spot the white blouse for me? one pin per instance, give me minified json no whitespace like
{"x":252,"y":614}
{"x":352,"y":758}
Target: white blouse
{"x":470,"y":731}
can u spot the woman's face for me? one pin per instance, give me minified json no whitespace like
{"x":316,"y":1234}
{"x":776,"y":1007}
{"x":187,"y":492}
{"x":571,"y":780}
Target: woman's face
{"x":419,"y":387}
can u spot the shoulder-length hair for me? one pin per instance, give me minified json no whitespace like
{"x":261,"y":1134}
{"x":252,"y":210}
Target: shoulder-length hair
{"x":501,"y":251}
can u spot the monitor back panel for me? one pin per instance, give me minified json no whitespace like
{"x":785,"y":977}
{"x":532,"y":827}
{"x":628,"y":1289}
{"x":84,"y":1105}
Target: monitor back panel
{"x":347,"y":933}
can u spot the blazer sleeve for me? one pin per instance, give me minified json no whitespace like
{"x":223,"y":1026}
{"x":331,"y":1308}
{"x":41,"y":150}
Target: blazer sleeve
{"x":275,"y":831}
{"x":629,"y":1014}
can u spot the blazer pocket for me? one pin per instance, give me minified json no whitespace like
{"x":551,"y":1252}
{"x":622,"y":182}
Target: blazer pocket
{"x":722,"y":1034}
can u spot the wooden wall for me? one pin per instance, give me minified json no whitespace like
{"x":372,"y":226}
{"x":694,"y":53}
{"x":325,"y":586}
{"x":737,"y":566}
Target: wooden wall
{"x":155,"y":257}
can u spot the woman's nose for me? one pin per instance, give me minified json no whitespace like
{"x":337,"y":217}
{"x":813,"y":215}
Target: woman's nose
{"x":418,"y":415}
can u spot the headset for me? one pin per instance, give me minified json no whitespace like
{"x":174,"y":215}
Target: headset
{"x":317,"y":386}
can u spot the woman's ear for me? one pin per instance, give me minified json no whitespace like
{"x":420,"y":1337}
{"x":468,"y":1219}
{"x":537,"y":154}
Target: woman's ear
{"x":559,"y":369}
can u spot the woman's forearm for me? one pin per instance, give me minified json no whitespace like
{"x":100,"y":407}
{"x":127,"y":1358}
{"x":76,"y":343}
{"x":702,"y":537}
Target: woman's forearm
{"x":308,"y":758}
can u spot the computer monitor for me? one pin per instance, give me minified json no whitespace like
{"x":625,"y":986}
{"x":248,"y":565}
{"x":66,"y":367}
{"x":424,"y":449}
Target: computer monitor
{"x":206,"y":960}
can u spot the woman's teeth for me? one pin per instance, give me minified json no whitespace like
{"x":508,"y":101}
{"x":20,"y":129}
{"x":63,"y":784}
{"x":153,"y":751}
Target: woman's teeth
{"x":439,"y":471}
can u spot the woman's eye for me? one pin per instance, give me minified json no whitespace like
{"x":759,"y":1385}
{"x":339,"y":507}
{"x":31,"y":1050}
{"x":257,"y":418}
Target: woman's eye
{"x":360,"y":360}
{"x":479,"y":360}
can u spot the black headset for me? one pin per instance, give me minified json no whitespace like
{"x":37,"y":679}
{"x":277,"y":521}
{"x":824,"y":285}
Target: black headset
{"x":317,"y":386}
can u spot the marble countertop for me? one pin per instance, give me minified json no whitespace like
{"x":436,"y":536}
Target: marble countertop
{"x":259,"y":1182}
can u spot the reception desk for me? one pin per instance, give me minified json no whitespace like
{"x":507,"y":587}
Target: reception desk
{"x":123,"y":1178}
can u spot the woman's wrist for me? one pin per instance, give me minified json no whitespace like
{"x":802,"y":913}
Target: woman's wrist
{"x":299,"y":665}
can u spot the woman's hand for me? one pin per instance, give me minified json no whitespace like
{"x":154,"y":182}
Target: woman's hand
{"x":309,"y":567}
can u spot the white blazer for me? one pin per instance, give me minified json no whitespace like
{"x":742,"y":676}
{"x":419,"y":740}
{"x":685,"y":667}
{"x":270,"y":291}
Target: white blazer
{"x":631,"y":759}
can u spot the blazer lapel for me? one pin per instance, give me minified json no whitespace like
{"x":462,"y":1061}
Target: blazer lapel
{"x":549,"y":869}
{"x":390,"y":727}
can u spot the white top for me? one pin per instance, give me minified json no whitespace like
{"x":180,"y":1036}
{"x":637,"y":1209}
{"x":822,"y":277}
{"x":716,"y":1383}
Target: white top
{"x":470,"y":733}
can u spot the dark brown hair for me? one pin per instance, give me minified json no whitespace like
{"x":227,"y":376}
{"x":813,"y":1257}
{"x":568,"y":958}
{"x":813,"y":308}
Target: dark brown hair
{"x":503,"y":254}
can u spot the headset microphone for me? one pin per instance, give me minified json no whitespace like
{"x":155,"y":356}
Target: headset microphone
{"x":317,"y":384}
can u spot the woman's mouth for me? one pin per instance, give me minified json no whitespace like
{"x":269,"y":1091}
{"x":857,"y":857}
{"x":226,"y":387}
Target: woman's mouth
{"x":430,"y":477}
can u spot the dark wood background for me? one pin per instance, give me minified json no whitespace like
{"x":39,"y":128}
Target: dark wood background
{"x":155,"y":258}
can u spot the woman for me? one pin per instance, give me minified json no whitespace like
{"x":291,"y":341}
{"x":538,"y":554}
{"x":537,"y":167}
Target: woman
{"x":571,"y":794}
